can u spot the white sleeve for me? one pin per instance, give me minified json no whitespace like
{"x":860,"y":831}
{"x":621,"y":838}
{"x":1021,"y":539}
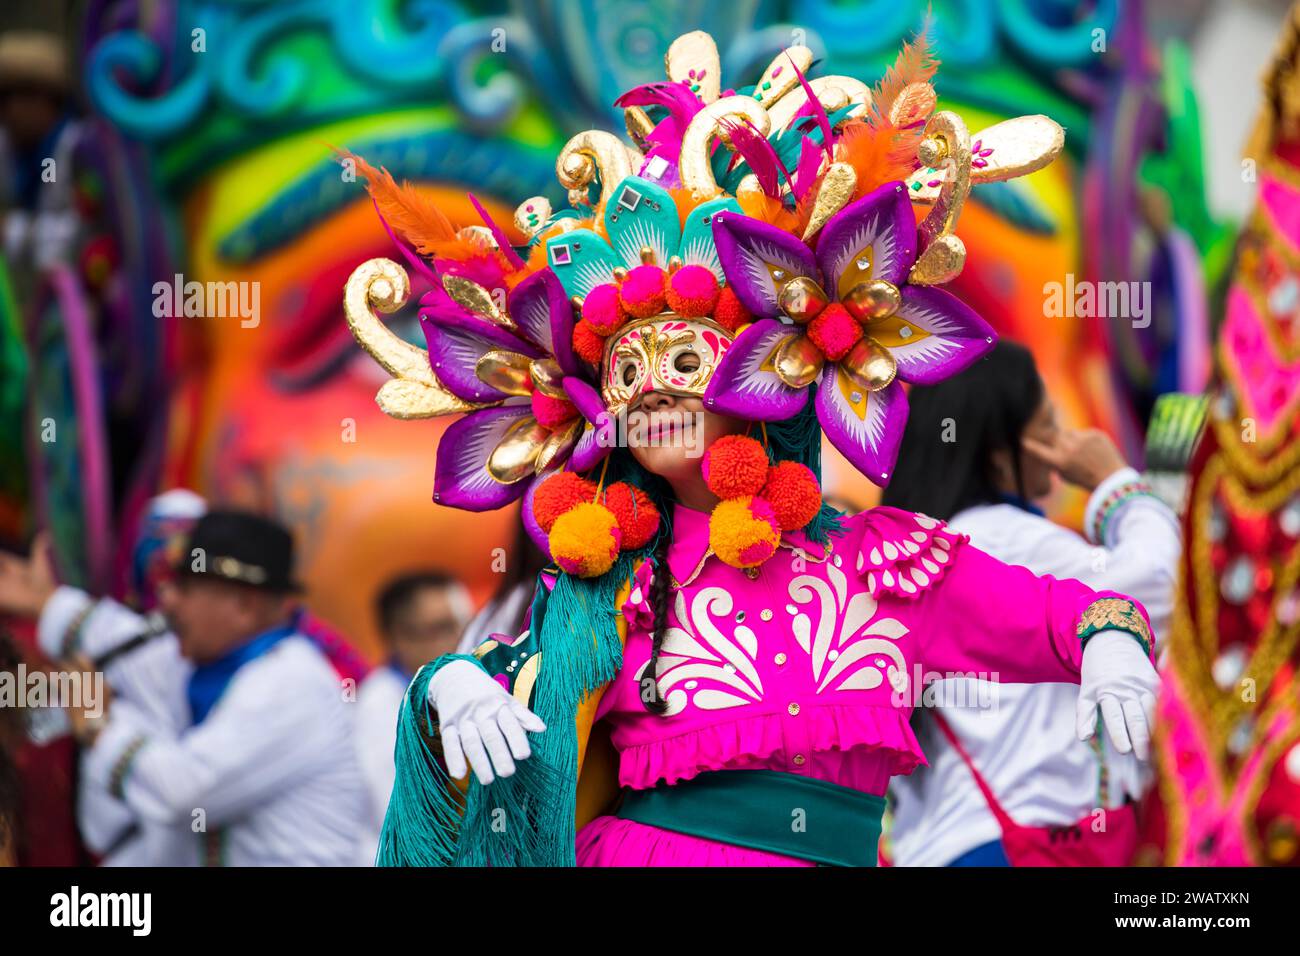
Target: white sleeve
{"x":102,"y":819}
{"x":152,"y":676}
{"x":1138,"y":555}
{"x":74,"y":622}
{"x":262,"y":738}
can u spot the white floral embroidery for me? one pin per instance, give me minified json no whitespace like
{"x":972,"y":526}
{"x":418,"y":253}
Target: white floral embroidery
{"x":845,"y":634}
{"x":696,"y":649}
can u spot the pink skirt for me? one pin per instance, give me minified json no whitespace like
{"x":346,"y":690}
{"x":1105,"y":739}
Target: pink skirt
{"x":611,"y":841}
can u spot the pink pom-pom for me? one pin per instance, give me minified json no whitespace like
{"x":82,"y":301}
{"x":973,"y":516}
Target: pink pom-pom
{"x":552,"y":413}
{"x":602,"y":310}
{"x":834,"y":331}
{"x":692,"y":291}
{"x":642,"y":292}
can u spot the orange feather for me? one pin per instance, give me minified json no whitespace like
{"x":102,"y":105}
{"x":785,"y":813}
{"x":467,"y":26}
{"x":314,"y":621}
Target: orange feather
{"x":411,"y":214}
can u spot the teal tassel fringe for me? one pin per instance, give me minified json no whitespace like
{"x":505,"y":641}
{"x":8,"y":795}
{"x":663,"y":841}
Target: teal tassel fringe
{"x":526,"y":819}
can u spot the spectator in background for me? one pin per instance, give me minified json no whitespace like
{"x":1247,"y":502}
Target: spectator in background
{"x":37,"y":138}
{"x":978,"y":450}
{"x":421,"y":616}
{"x":245,"y":755}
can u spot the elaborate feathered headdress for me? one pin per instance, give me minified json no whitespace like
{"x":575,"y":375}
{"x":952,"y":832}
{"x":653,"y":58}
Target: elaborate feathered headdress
{"x":769,"y":230}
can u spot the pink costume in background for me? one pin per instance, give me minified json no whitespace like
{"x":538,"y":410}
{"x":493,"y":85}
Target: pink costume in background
{"x":810,"y":667}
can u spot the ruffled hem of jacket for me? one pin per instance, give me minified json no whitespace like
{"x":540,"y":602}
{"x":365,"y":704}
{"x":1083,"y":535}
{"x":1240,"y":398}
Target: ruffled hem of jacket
{"x":842,"y":727}
{"x":903,"y":553}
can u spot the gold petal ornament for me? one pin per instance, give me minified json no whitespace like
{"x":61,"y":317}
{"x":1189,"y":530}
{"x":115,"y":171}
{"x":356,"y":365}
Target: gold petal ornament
{"x":515,"y":455}
{"x":870,"y":364}
{"x":797,"y":360}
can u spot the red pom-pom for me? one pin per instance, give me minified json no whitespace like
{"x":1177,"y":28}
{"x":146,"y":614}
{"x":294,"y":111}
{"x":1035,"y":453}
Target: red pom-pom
{"x":834,"y":331}
{"x":602,"y":310}
{"x":552,"y":413}
{"x":735,"y":466}
{"x":638,"y":518}
{"x":729,"y":312}
{"x":560,"y":493}
{"x":588,"y":344}
{"x":642,"y":292}
{"x":794,"y":494}
{"x":692,"y":291}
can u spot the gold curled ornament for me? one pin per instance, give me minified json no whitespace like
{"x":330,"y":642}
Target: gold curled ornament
{"x":1015,"y":147}
{"x":590,"y":155}
{"x":695,"y":165}
{"x":946,"y":146}
{"x":414,"y":391}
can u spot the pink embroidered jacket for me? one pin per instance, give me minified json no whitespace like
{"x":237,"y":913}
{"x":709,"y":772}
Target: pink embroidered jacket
{"x":813,"y":665}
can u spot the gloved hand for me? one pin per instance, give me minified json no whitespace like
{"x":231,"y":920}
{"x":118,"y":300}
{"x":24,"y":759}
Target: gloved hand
{"x":1118,"y":677}
{"x":478,"y":719}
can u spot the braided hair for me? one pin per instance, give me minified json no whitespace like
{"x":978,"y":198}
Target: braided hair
{"x":659,"y":590}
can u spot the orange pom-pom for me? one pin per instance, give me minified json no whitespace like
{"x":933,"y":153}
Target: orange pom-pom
{"x":637,"y":516}
{"x":585,"y":540}
{"x":588,"y":344}
{"x":743,"y":532}
{"x":734,"y":466}
{"x":729,"y":312}
{"x":560,"y":493}
{"x":794,"y":494}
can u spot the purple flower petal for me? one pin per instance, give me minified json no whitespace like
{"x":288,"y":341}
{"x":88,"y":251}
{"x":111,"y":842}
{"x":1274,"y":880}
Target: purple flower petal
{"x":461,"y":478}
{"x":866,"y":427}
{"x":750,"y":250}
{"x":880,"y":229}
{"x":457,"y":341}
{"x":530,"y":520}
{"x":593,"y":445}
{"x":533,"y":305}
{"x":746,"y":385}
{"x":585,"y":397}
{"x":933,"y":335}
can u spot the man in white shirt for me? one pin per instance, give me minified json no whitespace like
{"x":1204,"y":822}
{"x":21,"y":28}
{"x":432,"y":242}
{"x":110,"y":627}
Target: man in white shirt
{"x":980,"y":448}
{"x":235,"y":745}
{"x":421,"y":616}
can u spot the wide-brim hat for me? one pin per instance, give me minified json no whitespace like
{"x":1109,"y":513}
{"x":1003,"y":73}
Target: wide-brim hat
{"x":32,"y":59}
{"x":241,"y":548}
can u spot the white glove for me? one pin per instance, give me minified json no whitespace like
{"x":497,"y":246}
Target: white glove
{"x":1118,"y":677}
{"x":478,"y":719}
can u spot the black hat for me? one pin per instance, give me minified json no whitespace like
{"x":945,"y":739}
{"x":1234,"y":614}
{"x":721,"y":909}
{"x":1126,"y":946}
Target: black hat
{"x":241,"y":547}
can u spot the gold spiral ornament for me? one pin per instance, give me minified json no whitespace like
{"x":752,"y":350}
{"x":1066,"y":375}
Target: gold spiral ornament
{"x":414,"y":391}
{"x":947,"y":146}
{"x":591,"y":155}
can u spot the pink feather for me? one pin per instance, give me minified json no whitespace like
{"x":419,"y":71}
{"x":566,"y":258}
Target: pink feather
{"x":503,"y":243}
{"x":810,"y":164}
{"x":814,"y":106}
{"x":759,"y":154}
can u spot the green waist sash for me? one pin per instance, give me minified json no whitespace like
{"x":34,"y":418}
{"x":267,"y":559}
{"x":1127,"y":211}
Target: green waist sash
{"x":766,"y":810}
